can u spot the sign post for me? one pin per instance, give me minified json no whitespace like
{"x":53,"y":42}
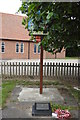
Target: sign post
{"x":41,"y":68}
{"x":41,"y":35}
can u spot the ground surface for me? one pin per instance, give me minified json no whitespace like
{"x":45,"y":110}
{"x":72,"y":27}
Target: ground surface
{"x":33,"y":95}
{"x":22,"y":109}
{"x":44,"y":60}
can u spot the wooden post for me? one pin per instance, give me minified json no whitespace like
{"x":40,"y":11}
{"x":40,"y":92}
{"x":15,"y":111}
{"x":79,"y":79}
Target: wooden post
{"x":41,"y":69}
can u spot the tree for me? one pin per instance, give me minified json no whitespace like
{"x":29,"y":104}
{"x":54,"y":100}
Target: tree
{"x":61,"y":20}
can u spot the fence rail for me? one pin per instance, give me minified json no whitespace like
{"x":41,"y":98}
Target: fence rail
{"x":33,"y":69}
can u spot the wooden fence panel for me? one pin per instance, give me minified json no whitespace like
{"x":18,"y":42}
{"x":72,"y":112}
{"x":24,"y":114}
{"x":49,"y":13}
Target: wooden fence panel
{"x":47,"y":69}
{"x":10,"y":68}
{"x":59,"y":70}
{"x":36,"y":69}
{"x":55,"y":70}
{"x":39,"y":70}
{"x":28,"y":69}
{"x":33,"y":68}
{"x":13,"y":68}
{"x":50,"y":69}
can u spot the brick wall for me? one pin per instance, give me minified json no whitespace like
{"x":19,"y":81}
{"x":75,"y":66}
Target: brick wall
{"x":10,"y":50}
{"x":58,"y":55}
{"x":0,"y":25}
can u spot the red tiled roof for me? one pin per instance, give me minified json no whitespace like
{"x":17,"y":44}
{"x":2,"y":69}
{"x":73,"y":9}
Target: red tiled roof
{"x":11,"y":27}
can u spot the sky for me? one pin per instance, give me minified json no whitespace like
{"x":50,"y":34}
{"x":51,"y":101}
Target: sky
{"x":9,"y":6}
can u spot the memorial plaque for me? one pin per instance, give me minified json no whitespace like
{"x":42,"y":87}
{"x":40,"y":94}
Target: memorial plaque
{"x":41,"y":109}
{"x":42,"y":106}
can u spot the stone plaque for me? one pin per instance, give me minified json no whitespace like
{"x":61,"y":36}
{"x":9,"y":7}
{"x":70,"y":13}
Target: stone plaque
{"x":42,"y":106}
{"x":41,"y":109}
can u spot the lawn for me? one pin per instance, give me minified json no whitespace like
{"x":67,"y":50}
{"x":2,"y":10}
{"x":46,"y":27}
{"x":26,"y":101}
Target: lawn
{"x":7,"y":88}
{"x":71,"y":57}
{"x":0,"y":98}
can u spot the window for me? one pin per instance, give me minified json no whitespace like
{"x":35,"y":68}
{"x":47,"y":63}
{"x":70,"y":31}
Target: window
{"x":22,"y":47}
{"x":38,"y":49}
{"x":34,"y":48}
{"x":17,"y":47}
{"x":2,"y":47}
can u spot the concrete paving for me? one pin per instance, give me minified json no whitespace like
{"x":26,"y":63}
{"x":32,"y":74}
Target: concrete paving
{"x":33,"y":95}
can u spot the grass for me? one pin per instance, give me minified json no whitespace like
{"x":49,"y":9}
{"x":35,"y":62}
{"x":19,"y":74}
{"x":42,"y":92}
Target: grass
{"x":68,"y":58}
{"x":7,"y":88}
{"x":34,"y":83}
{"x":76,"y":94}
{"x":71,"y":57}
{"x":0,"y":98}
{"x":26,"y":83}
{"x":62,"y":107}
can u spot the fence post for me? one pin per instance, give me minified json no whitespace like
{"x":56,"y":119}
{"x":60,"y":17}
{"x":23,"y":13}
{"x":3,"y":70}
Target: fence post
{"x":73,"y":71}
{"x":70,"y":70}
{"x":25,"y":68}
{"x":64,"y":69}
{"x":10,"y":68}
{"x":59,"y":70}
{"x":53,"y":69}
{"x":76,"y":70}
{"x":19,"y":68}
{"x":22,"y":69}
{"x":33,"y":68}
{"x":16,"y":68}
{"x":4,"y":68}
{"x":39,"y":70}
{"x":36,"y":68}
{"x":50,"y":68}
{"x":1,"y":68}
{"x":56,"y":71}
{"x":67,"y":71}
{"x":79,"y":72}
{"x":7,"y":68}
{"x":30,"y":68}
{"x":47,"y":69}
{"x":13,"y":68}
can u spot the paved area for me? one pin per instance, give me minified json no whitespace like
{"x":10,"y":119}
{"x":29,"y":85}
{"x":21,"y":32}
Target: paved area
{"x":33,"y":95}
{"x":44,"y":60}
{"x":0,"y":114}
{"x":18,"y":107}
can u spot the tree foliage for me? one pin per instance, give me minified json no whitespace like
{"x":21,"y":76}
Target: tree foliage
{"x":61,"y":20}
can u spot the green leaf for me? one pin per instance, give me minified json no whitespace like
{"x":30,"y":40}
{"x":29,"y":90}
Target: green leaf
{"x":49,"y":15}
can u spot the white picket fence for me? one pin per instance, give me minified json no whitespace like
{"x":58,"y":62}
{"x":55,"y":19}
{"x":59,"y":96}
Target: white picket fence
{"x":50,"y":69}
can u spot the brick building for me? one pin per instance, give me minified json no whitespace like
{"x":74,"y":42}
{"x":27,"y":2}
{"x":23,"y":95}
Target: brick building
{"x":15,"y":41}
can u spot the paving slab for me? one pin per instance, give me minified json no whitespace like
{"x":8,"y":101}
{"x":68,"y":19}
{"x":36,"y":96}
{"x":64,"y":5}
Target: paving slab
{"x":33,"y":95}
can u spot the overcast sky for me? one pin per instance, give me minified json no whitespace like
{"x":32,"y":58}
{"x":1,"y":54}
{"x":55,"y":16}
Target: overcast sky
{"x":9,"y":6}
